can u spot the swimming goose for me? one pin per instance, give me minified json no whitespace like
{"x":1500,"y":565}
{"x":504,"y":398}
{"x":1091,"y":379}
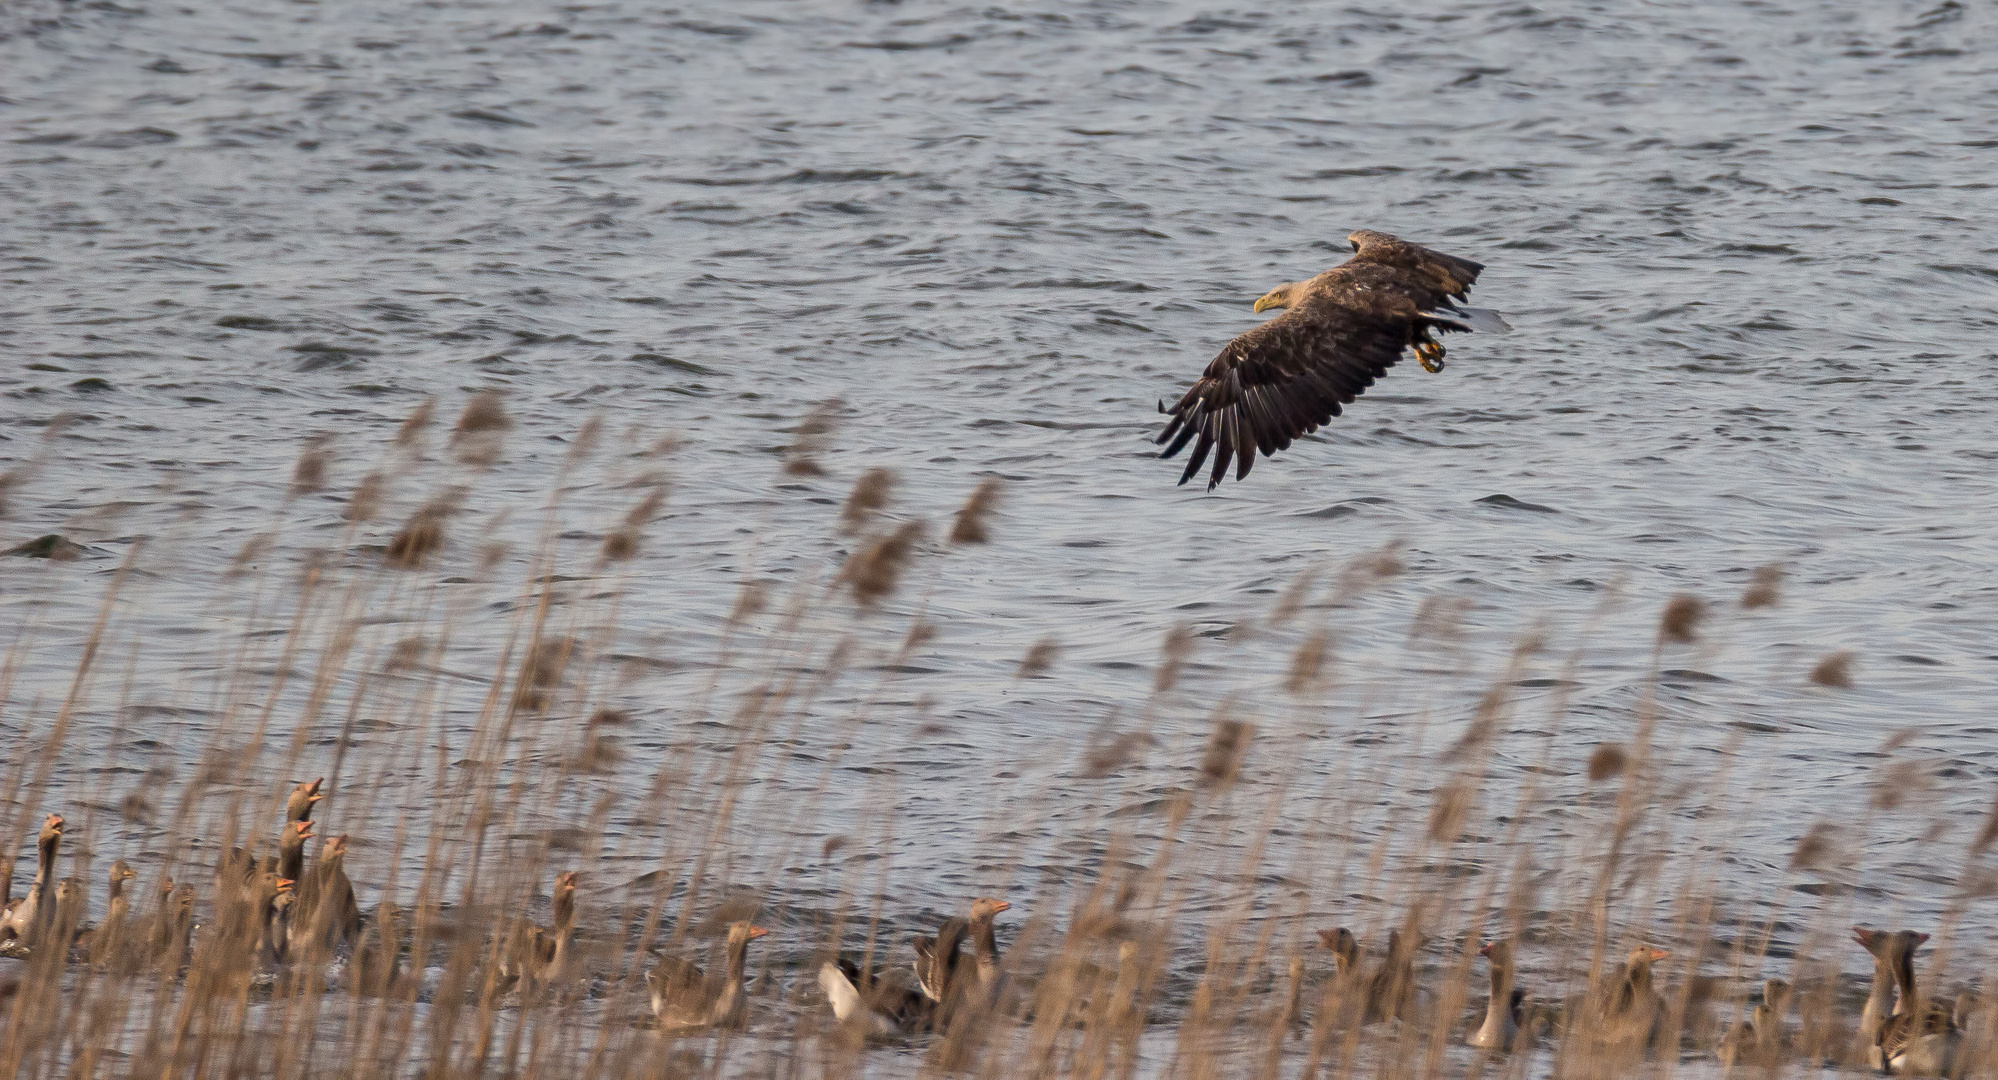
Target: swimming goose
{"x":1501,"y":1025}
{"x":984,"y":946}
{"x":685,"y":1000}
{"x":376,"y":968}
{"x":876,"y":1009}
{"x":1391,"y":992}
{"x":272,"y":911}
{"x":1887,"y":950}
{"x":938,"y":961}
{"x":110,"y":941}
{"x":327,"y":914}
{"x":1760,"y":1039}
{"x":298,"y":805}
{"x":72,"y":896}
{"x":38,"y":907}
{"x":291,"y":849}
{"x":1636,"y":1011}
{"x":541,"y":954}
{"x":1920,"y":1038}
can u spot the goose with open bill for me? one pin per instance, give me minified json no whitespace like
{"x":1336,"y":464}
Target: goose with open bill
{"x":685,"y":1000}
{"x":1888,"y":951}
{"x":37,"y":908}
{"x":1920,"y":1038}
{"x":984,"y":945}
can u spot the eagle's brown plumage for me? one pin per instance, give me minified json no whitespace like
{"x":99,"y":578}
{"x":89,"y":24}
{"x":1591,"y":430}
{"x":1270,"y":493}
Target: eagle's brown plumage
{"x":1342,"y":330}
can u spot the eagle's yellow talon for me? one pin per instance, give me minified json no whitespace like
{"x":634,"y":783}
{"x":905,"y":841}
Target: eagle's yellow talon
{"x":1431,"y":355}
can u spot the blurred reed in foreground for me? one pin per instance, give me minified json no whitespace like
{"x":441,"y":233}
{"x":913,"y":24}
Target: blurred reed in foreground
{"x":551,"y":875}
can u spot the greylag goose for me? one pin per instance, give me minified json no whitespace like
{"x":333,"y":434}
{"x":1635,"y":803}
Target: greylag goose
{"x":272,"y":910}
{"x":72,"y":897}
{"x":291,"y":849}
{"x":938,"y":960}
{"x":110,"y":941}
{"x":37,"y":908}
{"x":376,"y":969}
{"x":685,"y":1000}
{"x":298,"y":805}
{"x":327,"y":914}
{"x":1920,"y":1038}
{"x":1635,"y":1012}
{"x":870,"y":1006}
{"x":984,"y":946}
{"x":1888,"y":951}
{"x":1391,"y":992}
{"x":1760,"y":1039}
{"x":541,"y":954}
{"x":1501,"y":1025}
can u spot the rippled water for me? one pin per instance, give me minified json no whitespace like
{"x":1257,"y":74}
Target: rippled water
{"x":1745,"y":248}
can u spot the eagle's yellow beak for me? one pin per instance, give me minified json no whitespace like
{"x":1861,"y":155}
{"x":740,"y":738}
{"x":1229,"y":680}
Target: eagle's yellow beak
{"x":1266,"y":302}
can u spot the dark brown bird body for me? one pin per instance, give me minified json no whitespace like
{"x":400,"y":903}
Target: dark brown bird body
{"x":1342,"y":330}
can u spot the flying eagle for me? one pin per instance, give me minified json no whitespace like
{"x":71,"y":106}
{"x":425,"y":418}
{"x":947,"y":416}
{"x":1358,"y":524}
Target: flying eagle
{"x":1340,"y":331}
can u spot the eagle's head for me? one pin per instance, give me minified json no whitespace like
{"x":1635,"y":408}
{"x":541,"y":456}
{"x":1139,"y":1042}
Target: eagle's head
{"x":1281,"y":296}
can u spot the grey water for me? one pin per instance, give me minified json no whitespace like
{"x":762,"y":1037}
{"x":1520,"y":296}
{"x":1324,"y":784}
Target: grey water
{"x":1746,"y":250}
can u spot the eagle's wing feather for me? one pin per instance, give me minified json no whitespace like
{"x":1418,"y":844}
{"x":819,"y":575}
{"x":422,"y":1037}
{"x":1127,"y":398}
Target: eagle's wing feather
{"x":1282,"y":380}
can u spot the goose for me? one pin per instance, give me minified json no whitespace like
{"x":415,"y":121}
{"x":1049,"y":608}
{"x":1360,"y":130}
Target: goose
{"x":984,"y":946}
{"x":38,"y":906}
{"x":1760,"y":1038}
{"x":377,"y":965}
{"x":1391,"y":991}
{"x":1635,"y":1011}
{"x":72,"y":896}
{"x":1887,"y":950}
{"x":877,"y":1010}
{"x":1501,"y":1025}
{"x":298,"y":805}
{"x":540,"y":954}
{"x":1920,"y":1038}
{"x":291,"y":849}
{"x":684,"y":1000}
{"x":327,"y":914}
{"x":110,"y":941}
{"x":938,"y":960}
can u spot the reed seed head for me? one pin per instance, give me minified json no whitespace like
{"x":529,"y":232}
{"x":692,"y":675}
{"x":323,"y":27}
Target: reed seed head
{"x":874,"y":572}
{"x":1608,"y":760}
{"x":309,"y":475}
{"x":1765,"y":587}
{"x":1834,"y":671}
{"x":869,"y":495}
{"x":1307,"y":665}
{"x":476,"y":436}
{"x":1222,"y":760}
{"x":811,"y":436}
{"x":1040,"y":657}
{"x":410,"y":433}
{"x":1172,"y":657}
{"x":1817,"y":848}
{"x":366,"y":500}
{"x":970,"y":526}
{"x":421,"y":537}
{"x":1681,"y":620}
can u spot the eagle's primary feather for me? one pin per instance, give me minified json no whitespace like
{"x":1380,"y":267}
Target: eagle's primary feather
{"x":1341,"y":330}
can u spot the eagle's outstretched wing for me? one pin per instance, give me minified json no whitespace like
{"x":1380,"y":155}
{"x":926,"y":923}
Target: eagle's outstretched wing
{"x":1280,"y":381}
{"x":1285,"y":378}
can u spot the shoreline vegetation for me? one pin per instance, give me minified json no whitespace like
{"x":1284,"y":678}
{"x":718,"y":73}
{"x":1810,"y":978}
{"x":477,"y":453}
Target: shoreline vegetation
{"x":542,"y":878}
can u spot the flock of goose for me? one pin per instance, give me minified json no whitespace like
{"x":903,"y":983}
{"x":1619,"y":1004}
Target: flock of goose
{"x":269,"y":911}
